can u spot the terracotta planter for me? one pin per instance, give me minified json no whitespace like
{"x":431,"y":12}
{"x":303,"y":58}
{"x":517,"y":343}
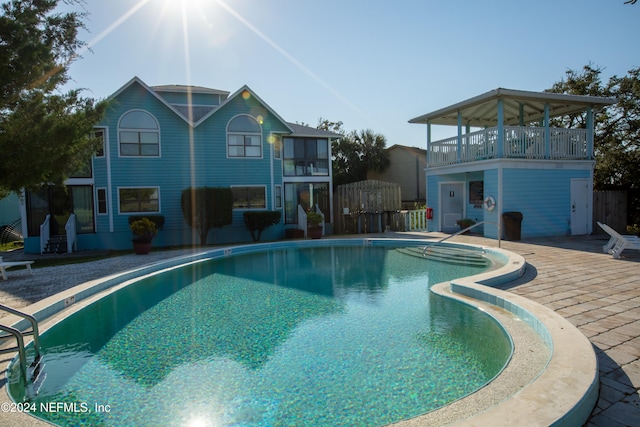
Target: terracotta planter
{"x":315,"y":232}
{"x":141,"y":248}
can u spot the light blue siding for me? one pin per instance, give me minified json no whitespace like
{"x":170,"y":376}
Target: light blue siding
{"x":188,"y":157}
{"x":493,"y":216}
{"x":543,"y":197}
{"x":196,"y":98}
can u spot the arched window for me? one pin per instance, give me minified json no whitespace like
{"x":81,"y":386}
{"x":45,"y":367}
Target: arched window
{"x":244,"y":137}
{"x":139,"y":134}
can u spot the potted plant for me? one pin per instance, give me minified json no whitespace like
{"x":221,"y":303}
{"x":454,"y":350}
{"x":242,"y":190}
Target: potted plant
{"x":314,"y":227}
{"x":465,"y":222}
{"x":143,"y":230}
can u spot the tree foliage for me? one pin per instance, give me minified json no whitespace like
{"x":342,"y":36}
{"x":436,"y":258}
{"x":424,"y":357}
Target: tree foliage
{"x":258,"y":221}
{"x":44,"y":135}
{"x":617,"y":128}
{"x":205,"y":208}
{"x":356,"y":153}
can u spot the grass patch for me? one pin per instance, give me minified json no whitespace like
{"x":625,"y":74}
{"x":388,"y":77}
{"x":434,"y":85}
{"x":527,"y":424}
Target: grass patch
{"x":10,"y":246}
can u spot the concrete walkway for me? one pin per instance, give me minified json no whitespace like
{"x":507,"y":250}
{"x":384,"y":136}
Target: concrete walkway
{"x":598,"y":294}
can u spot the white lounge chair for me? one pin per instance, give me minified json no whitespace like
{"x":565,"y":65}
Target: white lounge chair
{"x":618,"y":242}
{"x":6,"y":264}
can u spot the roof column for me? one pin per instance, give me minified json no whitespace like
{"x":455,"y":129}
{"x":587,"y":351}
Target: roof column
{"x":590,"y":132}
{"x":459,"y":136}
{"x":547,"y":132}
{"x":521,"y":115}
{"x":500,"y":147}
{"x":428,"y":143}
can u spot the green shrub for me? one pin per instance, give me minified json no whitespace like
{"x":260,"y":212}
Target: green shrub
{"x":258,"y":221}
{"x":205,"y":208}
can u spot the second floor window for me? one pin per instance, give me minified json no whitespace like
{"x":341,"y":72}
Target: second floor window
{"x":139,"y":134}
{"x":244,"y":137}
{"x":306,"y":157}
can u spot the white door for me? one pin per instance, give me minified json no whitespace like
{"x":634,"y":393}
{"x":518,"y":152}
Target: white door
{"x":579,"y":206}
{"x":452,"y":203}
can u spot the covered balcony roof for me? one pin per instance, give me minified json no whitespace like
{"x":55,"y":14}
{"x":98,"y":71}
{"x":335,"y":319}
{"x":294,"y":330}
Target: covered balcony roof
{"x":519,"y":107}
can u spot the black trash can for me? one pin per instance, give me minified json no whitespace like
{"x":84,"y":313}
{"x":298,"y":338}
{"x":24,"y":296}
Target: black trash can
{"x":512,"y":225}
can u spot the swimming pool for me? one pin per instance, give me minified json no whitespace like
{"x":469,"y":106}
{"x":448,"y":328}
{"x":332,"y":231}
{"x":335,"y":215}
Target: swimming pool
{"x":343,"y":335}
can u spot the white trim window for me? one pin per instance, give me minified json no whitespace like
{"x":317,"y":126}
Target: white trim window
{"x":138,"y":199}
{"x":139,"y":135}
{"x":102,"y":204}
{"x":277,"y":204}
{"x":99,"y":133}
{"x":244,"y":137}
{"x":276,"y":142}
{"x":249,"y":197}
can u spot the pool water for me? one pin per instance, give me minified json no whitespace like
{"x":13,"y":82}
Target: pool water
{"x":307,"y":337}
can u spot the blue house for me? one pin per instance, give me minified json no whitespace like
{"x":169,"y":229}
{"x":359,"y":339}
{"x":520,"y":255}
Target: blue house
{"x":158,"y":141}
{"x":506,"y":156}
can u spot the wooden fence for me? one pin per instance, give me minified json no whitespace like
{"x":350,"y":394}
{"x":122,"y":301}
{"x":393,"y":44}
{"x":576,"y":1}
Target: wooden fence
{"x":610,"y":207}
{"x":365,"y":206}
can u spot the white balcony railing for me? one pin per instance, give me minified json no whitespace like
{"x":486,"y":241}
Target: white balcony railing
{"x":519,"y":142}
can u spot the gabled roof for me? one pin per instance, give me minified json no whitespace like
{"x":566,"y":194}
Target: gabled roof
{"x":241,"y":92}
{"x":192,"y":89}
{"x":309,"y":132}
{"x":202,"y":113}
{"x":482,"y":110}
{"x":137,"y":80}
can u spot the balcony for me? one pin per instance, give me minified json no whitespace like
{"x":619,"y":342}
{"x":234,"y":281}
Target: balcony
{"x":515,"y":124}
{"x":517,"y":142}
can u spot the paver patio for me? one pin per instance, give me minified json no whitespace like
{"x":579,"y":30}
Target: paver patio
{"x":598,"y":294}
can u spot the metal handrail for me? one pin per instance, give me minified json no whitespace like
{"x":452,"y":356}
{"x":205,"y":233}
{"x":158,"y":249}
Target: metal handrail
{"x":464,"y":230}
{"x":20,"y":347}
{"x":19,"y":336}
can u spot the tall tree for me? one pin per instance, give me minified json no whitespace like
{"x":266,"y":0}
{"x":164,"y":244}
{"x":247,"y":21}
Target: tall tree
{"x":44,"y":135}
{"x":617,"y":129}
{"x":356,"y":153}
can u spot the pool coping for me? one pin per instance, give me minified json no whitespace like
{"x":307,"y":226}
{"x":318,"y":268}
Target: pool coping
{"x":545,"y":401}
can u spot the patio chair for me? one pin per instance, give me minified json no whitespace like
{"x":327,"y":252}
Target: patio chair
{"x":6,"y":264}
{"x":618,"y":242}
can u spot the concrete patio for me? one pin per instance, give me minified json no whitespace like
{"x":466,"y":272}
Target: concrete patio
{"x":598,"y":294}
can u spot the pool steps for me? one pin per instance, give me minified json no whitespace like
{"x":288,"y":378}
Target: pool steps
{"x":456,"y":256}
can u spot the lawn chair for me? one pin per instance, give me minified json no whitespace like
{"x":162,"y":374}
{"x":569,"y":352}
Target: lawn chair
{"x":6,"y":264}
{"x":618,"y":242}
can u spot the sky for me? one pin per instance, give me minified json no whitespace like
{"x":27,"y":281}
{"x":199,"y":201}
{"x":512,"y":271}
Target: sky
{"x":371,"y":64}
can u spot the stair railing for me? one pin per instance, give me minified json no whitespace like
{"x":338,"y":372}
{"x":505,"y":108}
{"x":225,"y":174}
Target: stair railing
{"x":464,"y":230}
{"x":70,"y":228}
{"x":45,"y":233}
{"x":302,"y":220}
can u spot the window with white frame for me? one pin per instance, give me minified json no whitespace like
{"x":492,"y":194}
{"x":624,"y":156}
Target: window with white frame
{"x":305,"y":157}
{"x":139,"y":135}
{"x":244,"y":137}
{"x":276,"y":141}
{"x":249,"y":197}
{"x":102,"y":201}
{"x":278,"y":197}
{"x":98,"y":133}
{"x":137,"y":200}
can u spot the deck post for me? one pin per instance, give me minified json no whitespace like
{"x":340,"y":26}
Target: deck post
{"x":590,"y":130}
{"x":459,"y":136}
{"x":428,"y":144}
{"x":500,"y":147}
{"x":547,"y":132}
